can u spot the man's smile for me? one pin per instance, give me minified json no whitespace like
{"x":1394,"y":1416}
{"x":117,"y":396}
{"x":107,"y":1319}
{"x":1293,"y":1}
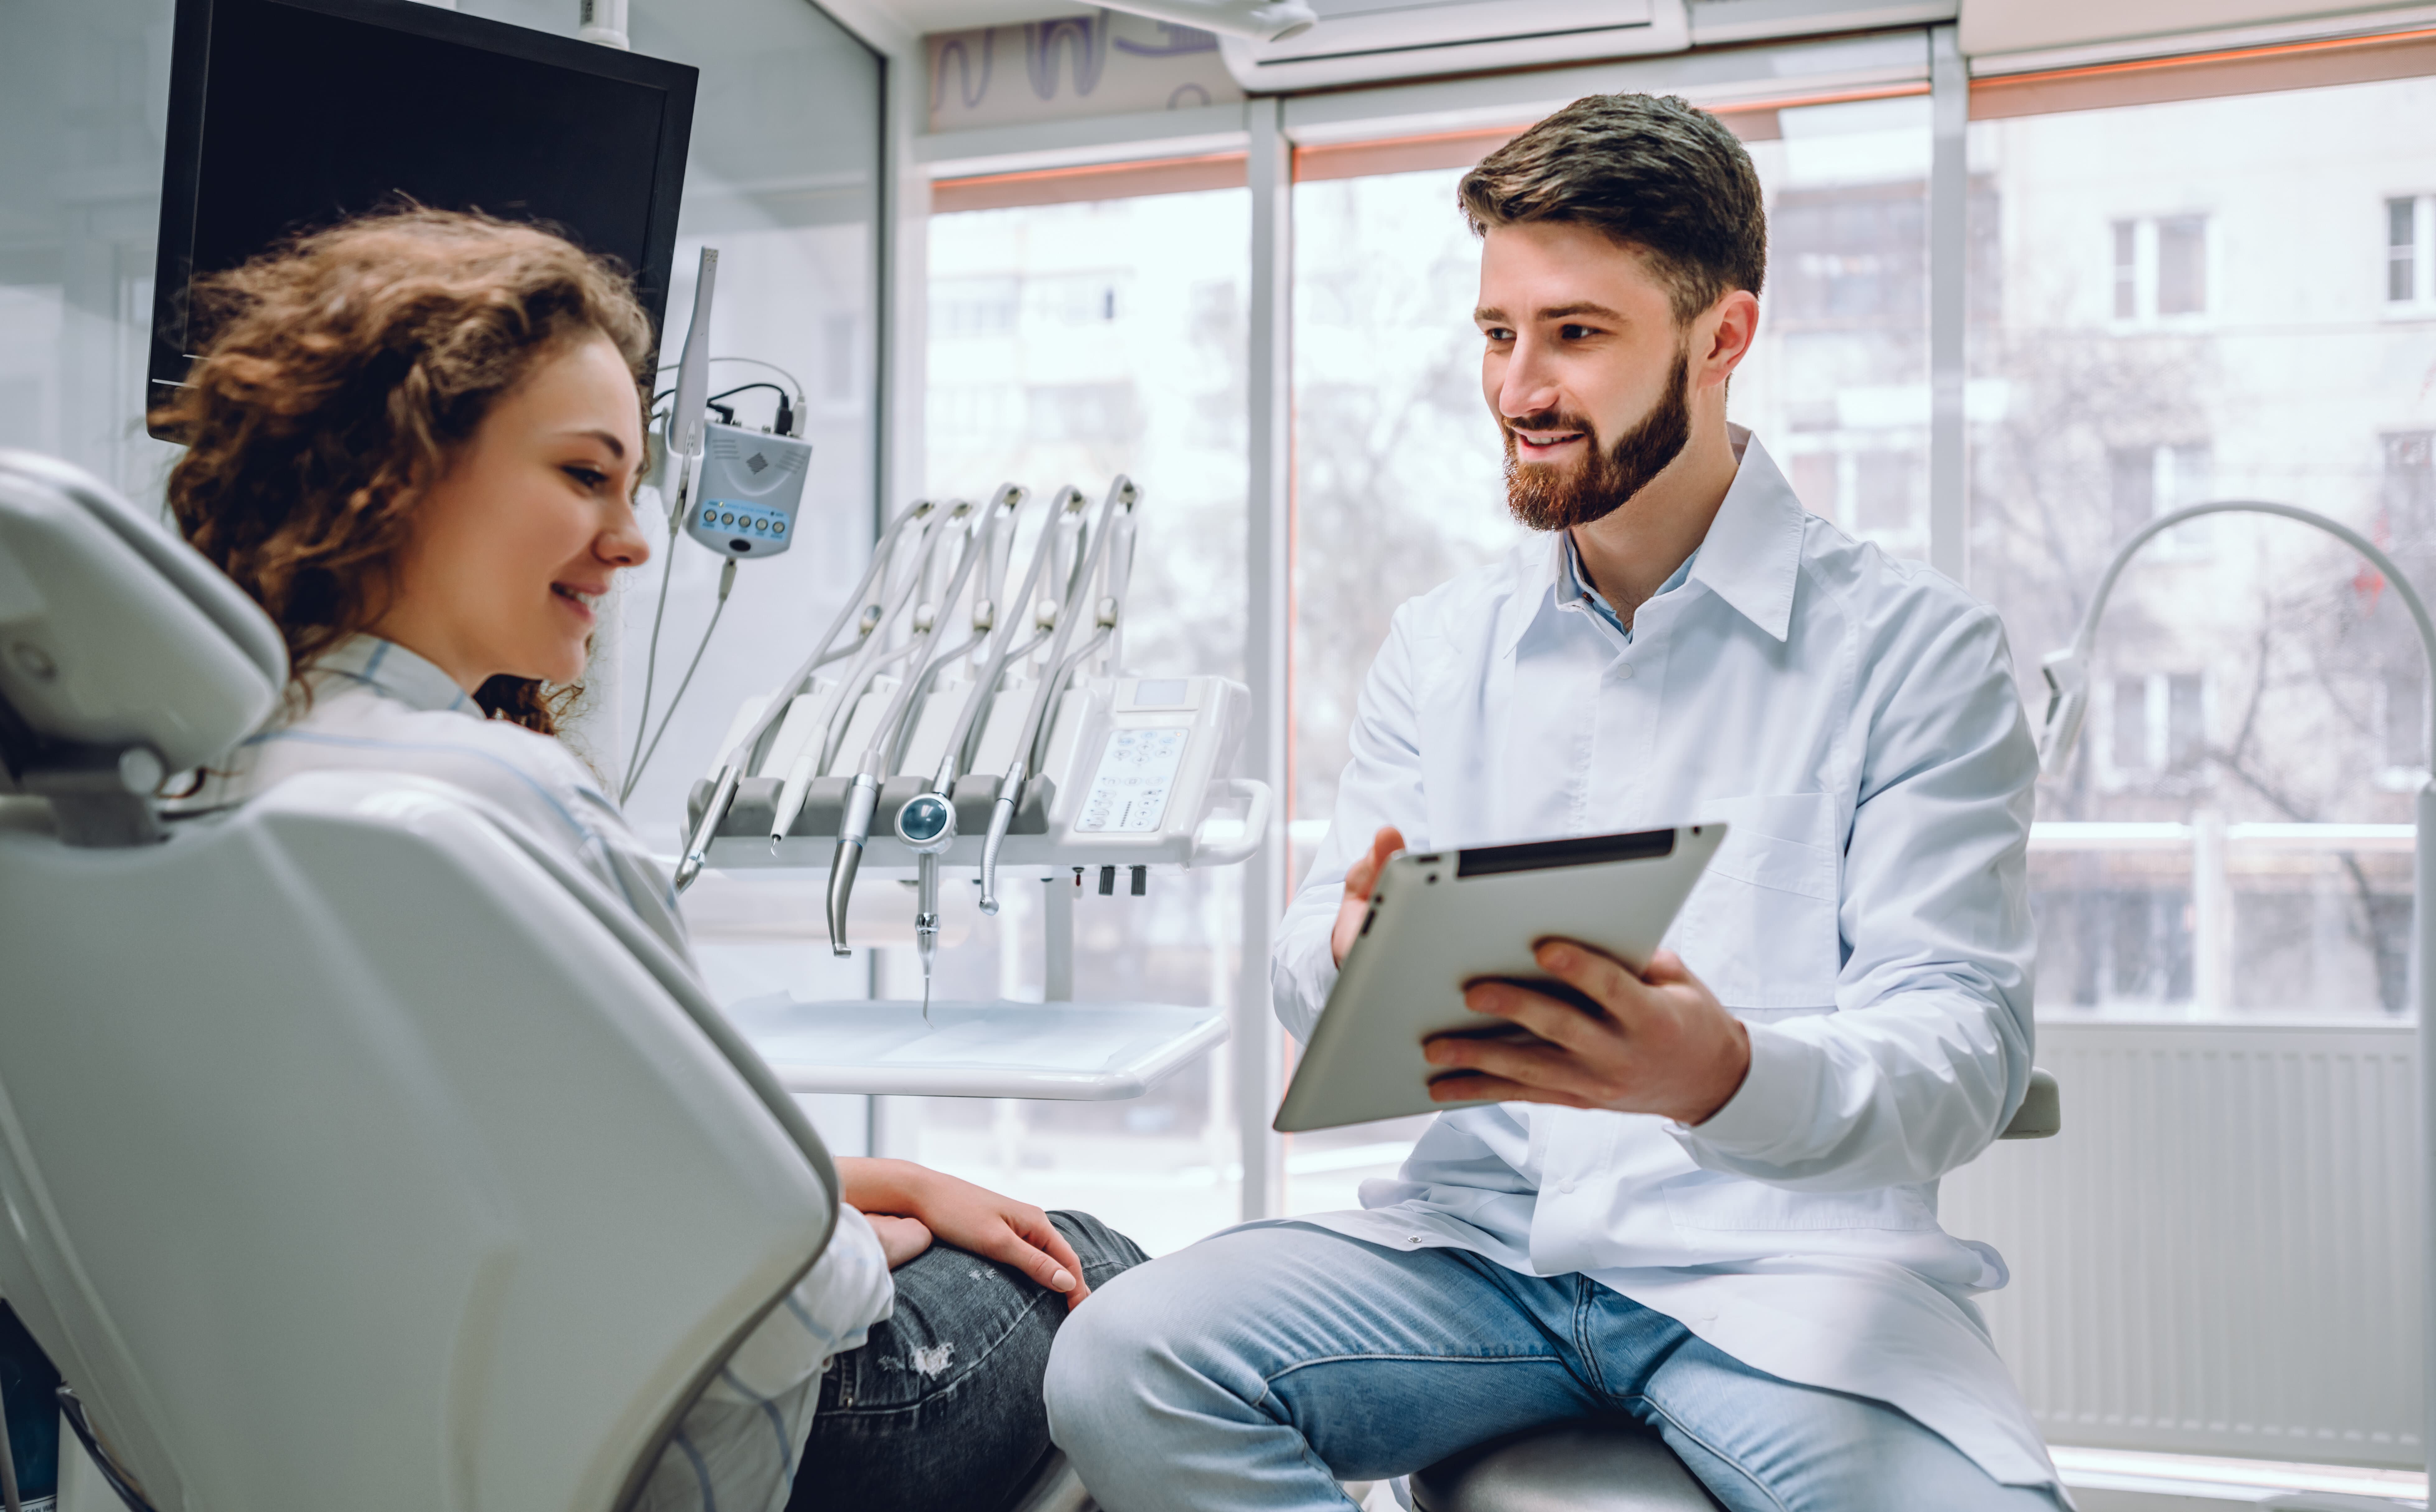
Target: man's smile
{"x":1539,"y":445}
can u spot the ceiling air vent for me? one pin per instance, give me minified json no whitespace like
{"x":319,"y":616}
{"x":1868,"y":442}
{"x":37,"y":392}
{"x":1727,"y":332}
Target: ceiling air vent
{"x":1363,"y":40}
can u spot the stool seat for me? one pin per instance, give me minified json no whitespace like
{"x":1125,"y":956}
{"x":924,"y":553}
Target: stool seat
{"x":1586,"y":1465}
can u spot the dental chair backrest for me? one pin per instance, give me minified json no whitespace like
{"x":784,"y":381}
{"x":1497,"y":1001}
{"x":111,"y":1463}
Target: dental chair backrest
{"x":355,"y":1153}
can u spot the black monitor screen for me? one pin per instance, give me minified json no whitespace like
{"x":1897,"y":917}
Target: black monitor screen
{"x":286,"y":116}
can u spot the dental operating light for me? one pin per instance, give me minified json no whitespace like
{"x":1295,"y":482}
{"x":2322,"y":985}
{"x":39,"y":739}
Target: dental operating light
{"x":2068,"y":680}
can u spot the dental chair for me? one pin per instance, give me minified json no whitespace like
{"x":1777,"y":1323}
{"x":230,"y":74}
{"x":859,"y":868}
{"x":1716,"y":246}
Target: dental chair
{"x":1614,"y":1464}
{"x":354,"y":1152}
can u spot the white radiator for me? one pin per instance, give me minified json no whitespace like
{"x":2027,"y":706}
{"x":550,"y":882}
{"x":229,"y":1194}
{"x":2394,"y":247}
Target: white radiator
{"x":2220,"y":1253}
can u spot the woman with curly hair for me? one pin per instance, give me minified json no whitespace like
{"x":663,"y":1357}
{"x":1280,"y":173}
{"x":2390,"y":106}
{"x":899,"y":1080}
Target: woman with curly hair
{"x":415,"y":440}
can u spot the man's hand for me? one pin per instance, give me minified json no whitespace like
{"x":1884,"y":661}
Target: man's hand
{"x":1658,"y":1042}
{"x":1359,"y":879}
{"x":973,"y":1219}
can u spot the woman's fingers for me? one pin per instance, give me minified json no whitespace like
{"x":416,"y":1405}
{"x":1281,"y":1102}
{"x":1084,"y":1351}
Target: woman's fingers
{"x":1044,"y":1235}
{"x":1005,"y":1244}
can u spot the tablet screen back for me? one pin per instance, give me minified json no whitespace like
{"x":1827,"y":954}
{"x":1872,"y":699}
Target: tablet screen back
{"x":1444,"y":919}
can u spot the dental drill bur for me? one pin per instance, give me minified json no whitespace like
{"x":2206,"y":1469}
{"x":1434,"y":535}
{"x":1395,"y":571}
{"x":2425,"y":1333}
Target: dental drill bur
{"x":927,"y":825}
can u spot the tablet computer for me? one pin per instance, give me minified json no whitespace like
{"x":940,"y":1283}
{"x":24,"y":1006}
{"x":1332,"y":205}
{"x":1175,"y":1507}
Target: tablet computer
{"x":1441,"y":920}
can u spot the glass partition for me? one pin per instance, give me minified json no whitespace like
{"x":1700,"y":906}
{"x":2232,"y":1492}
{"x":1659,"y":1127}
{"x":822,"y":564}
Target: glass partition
{"x":2186,"y":300}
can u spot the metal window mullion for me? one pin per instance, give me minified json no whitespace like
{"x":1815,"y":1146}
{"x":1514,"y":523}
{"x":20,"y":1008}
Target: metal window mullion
{"x":1949,"y":247}
{"x":1258,"y":1048}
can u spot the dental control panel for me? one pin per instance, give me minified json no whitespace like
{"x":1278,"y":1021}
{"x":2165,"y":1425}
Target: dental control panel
{"x":750,"y":488}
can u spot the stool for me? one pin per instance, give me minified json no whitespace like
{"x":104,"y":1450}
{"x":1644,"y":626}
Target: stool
{"x":1587,"y":1465}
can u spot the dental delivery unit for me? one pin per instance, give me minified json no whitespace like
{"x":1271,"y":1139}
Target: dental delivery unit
{"x":959,"y":716}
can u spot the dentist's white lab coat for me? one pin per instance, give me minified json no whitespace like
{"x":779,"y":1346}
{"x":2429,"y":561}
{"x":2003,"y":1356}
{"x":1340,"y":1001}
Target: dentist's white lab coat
{"x":1853,"y":718}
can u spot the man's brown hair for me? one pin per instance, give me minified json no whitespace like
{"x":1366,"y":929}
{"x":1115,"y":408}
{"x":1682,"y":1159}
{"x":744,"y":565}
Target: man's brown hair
{"x":1650,"y":171}
{"x":345,"y":370}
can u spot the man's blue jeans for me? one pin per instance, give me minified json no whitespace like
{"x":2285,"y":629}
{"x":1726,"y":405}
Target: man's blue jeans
{"x":1259,"y":1368}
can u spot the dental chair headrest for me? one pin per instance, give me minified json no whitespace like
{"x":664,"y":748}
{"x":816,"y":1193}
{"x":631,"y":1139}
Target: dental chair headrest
{"x":122,"y":651}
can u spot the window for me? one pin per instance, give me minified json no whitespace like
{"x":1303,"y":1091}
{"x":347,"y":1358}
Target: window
{"x":1081,"y":412}
{"x":2155,"y":724}
{"x":2161,"y":267}
{"x":2266,"y":679}
{"x":2409,"y":229}
{"x":2144,"y":482}
{"x":1070,"y":342}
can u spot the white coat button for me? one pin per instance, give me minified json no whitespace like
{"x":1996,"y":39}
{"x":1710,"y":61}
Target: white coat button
{"x":1566,"y":1186}
{"x":1624,"y":671}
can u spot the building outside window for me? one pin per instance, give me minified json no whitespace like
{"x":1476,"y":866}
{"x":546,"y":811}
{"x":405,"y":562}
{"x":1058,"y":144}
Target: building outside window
{"x":2161,"y":267}
{"x":2266,"y":679}
{"x":2410,"y":230}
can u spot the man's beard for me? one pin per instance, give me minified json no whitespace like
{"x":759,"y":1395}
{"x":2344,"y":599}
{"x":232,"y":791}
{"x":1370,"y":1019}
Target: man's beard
{"x":1548,"y":499}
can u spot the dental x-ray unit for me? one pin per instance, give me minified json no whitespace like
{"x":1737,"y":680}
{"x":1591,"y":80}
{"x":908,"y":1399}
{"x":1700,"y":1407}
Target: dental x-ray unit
{"x":981,"y":720}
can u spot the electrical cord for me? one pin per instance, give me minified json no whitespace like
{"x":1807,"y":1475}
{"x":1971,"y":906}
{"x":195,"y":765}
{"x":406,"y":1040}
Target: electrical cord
{"x":726,"y":582}
{"x":793,"y":382}
{"x":72,"y":1412}
{"x":652,"y":657}
{"x":9,"y":1501}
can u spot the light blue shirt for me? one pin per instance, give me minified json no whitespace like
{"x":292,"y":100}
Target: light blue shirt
{"x":1855,"y":720}
{"x":1572,"y":589}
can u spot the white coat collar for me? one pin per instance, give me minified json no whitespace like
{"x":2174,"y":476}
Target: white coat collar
{"x":1750,"y":558}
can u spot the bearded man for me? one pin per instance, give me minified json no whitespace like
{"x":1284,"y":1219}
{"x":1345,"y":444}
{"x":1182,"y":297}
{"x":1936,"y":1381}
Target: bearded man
{"x":1708,"y":1199}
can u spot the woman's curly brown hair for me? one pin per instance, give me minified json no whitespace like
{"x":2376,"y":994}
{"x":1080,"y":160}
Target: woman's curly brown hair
{"x":342,"y":372}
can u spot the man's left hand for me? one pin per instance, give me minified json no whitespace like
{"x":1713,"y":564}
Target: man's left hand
{"x":1656,"y":1042}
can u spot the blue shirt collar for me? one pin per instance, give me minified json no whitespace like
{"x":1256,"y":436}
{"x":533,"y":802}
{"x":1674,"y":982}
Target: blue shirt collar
{"x":1572,"y":588}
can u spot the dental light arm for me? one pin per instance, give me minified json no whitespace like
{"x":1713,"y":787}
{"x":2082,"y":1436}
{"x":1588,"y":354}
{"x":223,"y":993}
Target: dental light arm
{"x":2067,"y":670}
{"x":2067,"y":675}
{"x":732,"y":765}
{"x":1121,"y":495}
{"x":864,"y":797}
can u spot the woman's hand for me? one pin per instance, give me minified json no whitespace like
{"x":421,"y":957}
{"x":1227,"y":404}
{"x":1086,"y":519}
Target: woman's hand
{"x":1360,"y":878}
{"x":900,"y":1238}
{"x":973,"y":1219}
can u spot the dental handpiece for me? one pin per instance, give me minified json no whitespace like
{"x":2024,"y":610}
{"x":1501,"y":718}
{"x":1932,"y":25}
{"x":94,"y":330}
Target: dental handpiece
{"x":927,"y":825}
{"x":1122,"y":493}
{"x":1069,"y":501}
{"x":862,"y":799}
{"x":839,"y":704}
{"x":731,"y":770}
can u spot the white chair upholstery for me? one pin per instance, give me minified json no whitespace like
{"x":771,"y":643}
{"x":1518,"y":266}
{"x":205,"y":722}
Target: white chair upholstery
{"x":1593,"y":1464}
{"x":354,"y":1152}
